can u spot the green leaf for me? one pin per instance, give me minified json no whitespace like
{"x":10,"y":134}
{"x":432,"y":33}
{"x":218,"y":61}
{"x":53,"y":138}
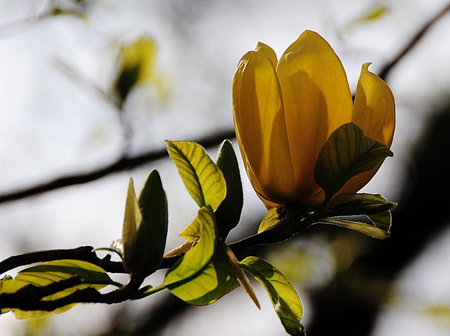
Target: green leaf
{"x":203,"y":179}
{"x":193,"y":231}
{"x":284,"y":297}
{"x":54,"y":271}
{"x":229,"y":211}
{"x":145,"y":227}
{"x":347,"y":153}
{"x":197,"y":258}
{"x":204,"y":274}
{"x":271,"y":218}
{"x":358,"y":204}
{"x":381,"y":231}
{"x":382,"y":220}
{"x":210,"y":284}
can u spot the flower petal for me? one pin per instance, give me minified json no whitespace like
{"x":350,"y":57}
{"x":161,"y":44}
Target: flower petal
{"x":268,"y":51}
{"x":261,"y":129}
{"x":374,"y":109}
{"x":317,"y":100}
{"x":374,"y":112}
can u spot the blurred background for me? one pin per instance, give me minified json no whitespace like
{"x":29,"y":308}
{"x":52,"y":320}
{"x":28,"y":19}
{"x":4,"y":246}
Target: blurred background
{"x":59,"y":119}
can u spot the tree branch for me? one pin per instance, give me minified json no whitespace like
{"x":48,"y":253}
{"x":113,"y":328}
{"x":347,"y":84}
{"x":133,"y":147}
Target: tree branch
{"x":384,"y":73}
{"x":83,"y":253}
{"x":125,"y":163}
{"x":121,"y":164}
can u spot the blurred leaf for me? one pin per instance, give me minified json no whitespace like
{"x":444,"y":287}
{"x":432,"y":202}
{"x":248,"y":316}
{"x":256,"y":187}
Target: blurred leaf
{"x":358,"y":204}
{"x":381,"y":231}
{"x":284,"y":297}
{"x":229,"y":211}
{"x":54,"y":271}
{"x":271,"y":218}
{"x":347,"y":153}
{"x":145,"y":227}
{"x":203,"y":179}
{"x":136,"y":66}
{"x":375,"y":12}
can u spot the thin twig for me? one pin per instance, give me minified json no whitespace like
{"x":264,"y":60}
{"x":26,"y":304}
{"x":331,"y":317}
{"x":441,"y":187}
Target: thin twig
{"x":384,"y":73}
{"x":120,"y":165}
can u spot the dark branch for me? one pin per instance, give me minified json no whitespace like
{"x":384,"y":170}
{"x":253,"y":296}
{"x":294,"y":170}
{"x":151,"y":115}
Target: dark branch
{"x":384,"y":73}
{"x":29,"y":298}
{"x":83,"y":253}
{"x":129,"y":163}
{"x":118,"y":166}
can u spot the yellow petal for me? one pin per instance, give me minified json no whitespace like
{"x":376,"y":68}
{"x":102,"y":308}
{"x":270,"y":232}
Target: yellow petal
{"x":317,"y":100}
{"x":268,"y":51}
{"x":374,"y":112}
{"x":374,"y":109}
{"x":261,"y":129}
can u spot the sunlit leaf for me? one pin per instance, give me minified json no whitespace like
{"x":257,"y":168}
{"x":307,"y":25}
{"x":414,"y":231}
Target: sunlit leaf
{"x":271,"y":218}
{"x":203,"y":179}
{"x":347,"y":153}
{"x":209,"y":285}
{"x":367,"y":229}
{"x":54,"y":271}
{"x":196,"y":259}
{"x":131,"y":224}
{"x":229,"y":211}
{"x":284,"y":297}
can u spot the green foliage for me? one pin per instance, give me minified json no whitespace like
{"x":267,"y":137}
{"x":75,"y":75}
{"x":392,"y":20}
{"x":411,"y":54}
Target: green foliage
{"x":145,"y":227}
{"x":51,"y":272}
{"x":284,"y":297}
{"x":229,"y":211}
{"x":347,"y":153}
{"x":203,"y":179}
{"x":374,"y":206}
{"x":358,"y":204}
{"x":203,"y":274}
{"x":271,"y":218}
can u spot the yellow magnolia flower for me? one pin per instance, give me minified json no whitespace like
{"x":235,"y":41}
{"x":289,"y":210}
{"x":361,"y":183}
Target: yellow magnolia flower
{"x":284,"y":111}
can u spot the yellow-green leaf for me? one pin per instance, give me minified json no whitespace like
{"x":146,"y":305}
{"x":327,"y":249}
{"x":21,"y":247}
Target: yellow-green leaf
{"x":197,"y":258}
{"x":271,"y":218}
{"x":54,"y":271}
{"x":203,"y":179}
{"x":229,"y":211}
{"x":380,"y":232}
{"x":210,"y":284}
{"x":358,"y":204}
{"x":347,"y":153}
{"x":284,"y":297}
